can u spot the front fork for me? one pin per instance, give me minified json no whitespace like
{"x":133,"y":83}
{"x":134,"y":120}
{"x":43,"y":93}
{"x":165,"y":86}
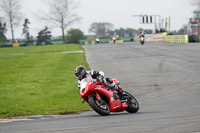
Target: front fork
{"x":97,"y":96}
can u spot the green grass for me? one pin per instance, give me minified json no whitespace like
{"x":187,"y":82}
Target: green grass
{"x":41,"y":49}
{"x":40,"y":83}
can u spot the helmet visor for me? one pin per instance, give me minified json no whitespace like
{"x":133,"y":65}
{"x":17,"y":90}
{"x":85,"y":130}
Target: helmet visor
{"x":80,"y":75}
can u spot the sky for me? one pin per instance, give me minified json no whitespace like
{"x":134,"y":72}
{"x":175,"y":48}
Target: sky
{"x":117,"y":12}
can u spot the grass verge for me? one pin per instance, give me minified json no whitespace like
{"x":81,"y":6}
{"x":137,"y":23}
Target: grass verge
{"x":40,"y":83}
{"x":40,"y":49}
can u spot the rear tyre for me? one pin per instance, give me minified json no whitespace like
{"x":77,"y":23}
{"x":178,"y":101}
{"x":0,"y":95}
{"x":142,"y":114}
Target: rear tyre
{"x":133,"y":105}
{"x":101,"y":108}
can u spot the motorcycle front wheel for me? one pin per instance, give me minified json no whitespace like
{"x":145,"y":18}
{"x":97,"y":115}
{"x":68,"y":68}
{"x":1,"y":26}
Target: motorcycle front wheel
{"x":101,"y":107}
{"x":133,"y":105}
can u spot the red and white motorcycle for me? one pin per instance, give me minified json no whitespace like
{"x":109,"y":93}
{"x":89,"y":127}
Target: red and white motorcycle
{"x":104,"y":100}
{"x":142,"y":40}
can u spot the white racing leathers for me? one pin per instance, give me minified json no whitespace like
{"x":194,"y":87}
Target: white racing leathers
{"x":82,"y":83}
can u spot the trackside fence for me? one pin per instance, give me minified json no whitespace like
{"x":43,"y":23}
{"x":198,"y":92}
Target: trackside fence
{"x":168,"y":38}
{"x":176,"y":39}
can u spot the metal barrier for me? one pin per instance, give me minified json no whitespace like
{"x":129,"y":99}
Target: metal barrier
{"x":117,"y":41}
{"x":16,"y":45}
{"x":136,"y":39}
{"x":12,"y":45}
{"x":151,"y":38}
{"x":158,"y":37}
{"x":176,"y":38}
{"x":168,"y":38}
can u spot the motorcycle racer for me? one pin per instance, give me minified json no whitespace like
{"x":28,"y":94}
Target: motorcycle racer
{"x":141,"y":34}
{"x":81,"y":73}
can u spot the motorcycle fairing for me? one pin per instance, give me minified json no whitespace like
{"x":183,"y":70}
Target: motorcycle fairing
{"x":115,"y":104}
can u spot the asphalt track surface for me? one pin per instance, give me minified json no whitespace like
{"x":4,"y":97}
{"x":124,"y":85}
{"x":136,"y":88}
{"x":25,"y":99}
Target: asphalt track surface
{"x":164,"y":78}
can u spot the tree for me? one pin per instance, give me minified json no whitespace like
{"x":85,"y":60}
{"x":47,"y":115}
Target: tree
{"x":62,"y":13}
{"x":101,"y":29}
{"x":90,"y":38}
{"x":125,"y":32}
{"x":2,"y":32}
{"x":131,"y":32}
{"x":11,"y":10}
{"x":181,"y":31}
{"x":148,"y":31}
{"x":44,"y":36}
{"x":120,"y":32}
{"x":140,"y":29}
{"x":74,"y":36}
{"x":29,"y":38}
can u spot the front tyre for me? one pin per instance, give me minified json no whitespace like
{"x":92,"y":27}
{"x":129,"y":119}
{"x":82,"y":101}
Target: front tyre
{"x":101,"y":108}
{"x":133,"y":105}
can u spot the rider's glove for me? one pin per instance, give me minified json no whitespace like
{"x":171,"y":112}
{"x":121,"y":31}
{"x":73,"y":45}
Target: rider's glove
{"x":94,"y":74}
{"x":108,"y":80}
{"x":101,"y":77}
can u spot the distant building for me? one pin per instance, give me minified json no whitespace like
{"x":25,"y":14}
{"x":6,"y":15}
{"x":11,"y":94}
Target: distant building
{"x":193,"y":27}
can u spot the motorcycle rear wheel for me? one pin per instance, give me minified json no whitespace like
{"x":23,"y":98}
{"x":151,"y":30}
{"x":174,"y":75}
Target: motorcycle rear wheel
{"x":133,"y":105}
{"x":142,"y":43}
{"x":101,"y":108}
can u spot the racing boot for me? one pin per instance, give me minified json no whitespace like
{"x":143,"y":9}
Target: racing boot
{"x":114,"y":86}
{"x":119,"y":90}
